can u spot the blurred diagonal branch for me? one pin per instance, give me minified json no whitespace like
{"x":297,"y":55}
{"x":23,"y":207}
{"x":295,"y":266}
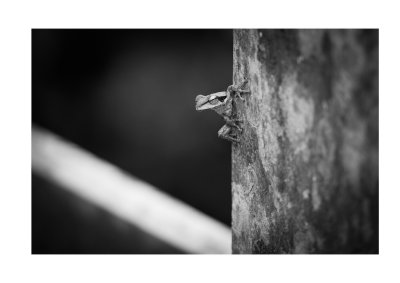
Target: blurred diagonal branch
{"x":127,"y":197}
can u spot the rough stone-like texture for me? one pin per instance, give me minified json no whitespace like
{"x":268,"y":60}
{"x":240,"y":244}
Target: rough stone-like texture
{"x":305,"y":174}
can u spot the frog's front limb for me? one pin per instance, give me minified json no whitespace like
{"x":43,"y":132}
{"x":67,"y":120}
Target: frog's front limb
{"x":225,"y":133}
{"x":233,"y":123}
{"x":238,"y":90}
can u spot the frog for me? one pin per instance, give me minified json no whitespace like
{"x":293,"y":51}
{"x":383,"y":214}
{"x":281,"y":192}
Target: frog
{"x":222,"y":103}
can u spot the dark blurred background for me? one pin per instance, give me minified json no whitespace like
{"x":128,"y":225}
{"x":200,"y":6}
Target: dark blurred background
{"x":128,"y":97}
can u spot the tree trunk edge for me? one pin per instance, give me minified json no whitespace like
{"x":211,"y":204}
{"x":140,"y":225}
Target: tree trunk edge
{"x":305,"y":173}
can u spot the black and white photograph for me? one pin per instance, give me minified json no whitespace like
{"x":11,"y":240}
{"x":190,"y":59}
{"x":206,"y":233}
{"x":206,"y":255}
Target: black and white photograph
{"x":243,"y":141}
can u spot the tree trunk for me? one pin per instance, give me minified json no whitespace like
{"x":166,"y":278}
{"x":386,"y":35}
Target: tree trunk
{"x":305,"y":173}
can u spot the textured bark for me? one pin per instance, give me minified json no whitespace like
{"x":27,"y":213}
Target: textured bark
{"x":305,"y":174}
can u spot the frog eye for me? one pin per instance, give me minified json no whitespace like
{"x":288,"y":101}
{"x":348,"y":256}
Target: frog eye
{"x":221,"y":98}
{"x":212,"y":97}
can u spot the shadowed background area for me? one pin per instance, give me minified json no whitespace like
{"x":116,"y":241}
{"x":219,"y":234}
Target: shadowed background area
{"x":128,"y":97}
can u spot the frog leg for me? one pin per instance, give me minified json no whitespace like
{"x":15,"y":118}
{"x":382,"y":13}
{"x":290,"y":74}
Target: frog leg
{"x":238,"y":90}
{"x":233,"y":123}
{"x":225,"y":133}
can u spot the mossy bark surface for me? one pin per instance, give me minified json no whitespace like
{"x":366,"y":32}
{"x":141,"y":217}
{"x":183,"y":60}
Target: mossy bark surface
{"x":305,"y":173}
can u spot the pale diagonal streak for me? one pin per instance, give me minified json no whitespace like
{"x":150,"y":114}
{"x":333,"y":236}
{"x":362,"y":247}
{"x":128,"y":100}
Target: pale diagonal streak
{"x":125,"y":196}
